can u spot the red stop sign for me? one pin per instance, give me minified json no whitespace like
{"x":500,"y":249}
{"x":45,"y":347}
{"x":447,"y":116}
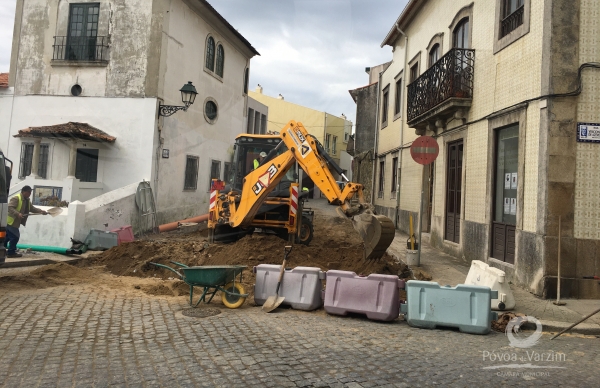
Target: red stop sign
{"x":424,"y":150}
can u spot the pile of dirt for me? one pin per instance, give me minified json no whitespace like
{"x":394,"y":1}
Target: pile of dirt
{"x":420,"y":274}
{"x":96,"y":277}
{"x":46,"y":276}
{"x":133,"y":259}
{"x":165,"y":288}
{"x":336,"y":245}
{"x":499,"y":325}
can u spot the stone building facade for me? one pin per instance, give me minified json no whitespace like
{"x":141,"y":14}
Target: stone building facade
{"x":112,"y":64}
{"x":495,"y":82}
{"x":363,"y":146}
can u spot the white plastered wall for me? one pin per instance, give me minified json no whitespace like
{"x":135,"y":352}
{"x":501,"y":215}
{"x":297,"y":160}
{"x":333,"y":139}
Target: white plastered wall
{"x":190,"y":133}
{"x":130,"y":120}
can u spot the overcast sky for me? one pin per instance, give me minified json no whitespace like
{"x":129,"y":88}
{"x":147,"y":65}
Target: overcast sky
{"x":312,"y":51}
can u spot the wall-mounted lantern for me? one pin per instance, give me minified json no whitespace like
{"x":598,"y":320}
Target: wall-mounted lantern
{"x":188,"y":95}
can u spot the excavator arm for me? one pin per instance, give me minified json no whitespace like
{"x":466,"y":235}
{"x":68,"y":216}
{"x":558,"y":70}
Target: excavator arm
{"x":376,"y":231}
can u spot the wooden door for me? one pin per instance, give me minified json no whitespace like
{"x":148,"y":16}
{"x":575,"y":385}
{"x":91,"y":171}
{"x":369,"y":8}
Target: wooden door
{"x":431,"y":170}
{"x":505,"y":193}
{"x":453,"y":190}
{"x":503,"y":242}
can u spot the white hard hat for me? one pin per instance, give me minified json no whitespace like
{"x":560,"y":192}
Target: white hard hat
{"x":263,"y":154}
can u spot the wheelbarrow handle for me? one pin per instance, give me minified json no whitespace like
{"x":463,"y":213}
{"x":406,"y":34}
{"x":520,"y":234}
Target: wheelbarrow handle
{"x":169,"y":268}
{"x":179,"y":264}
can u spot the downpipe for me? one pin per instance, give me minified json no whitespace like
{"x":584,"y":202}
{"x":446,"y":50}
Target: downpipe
{"x":401,"y":156}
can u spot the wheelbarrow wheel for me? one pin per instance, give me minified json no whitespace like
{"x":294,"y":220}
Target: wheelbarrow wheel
{"x":233,"y":301}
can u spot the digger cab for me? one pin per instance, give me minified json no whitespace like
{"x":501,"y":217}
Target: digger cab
{"x":273,"y":216}
{"x":247,"y":150}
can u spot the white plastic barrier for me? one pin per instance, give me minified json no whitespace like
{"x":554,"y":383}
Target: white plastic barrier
{"x":482,"y":274}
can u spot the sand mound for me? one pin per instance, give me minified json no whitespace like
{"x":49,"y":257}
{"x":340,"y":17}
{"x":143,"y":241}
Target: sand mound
{"x":133,"y":259}
{"x":166,"y":288}
{"x":65,"y":274}
{"x":47,"y":276}
{"x":336,"y":245}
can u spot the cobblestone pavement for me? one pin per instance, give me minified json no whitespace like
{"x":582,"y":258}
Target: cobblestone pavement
{"x":80,"y":336}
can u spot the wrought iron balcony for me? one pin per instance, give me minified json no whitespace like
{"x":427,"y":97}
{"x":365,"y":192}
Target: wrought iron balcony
{"x":80,"y":48}
{"x":512,"y":21}
{"x":447,"y":86}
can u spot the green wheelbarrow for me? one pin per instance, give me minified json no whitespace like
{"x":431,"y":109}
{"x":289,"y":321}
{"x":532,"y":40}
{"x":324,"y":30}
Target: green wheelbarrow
{"x":213,"y":278}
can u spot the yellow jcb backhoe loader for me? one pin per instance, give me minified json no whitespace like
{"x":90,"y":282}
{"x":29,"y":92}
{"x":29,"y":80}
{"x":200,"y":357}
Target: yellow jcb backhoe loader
{"x":256,"y":196}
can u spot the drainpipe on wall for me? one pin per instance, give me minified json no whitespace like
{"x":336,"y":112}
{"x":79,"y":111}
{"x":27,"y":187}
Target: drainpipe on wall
{"x":324,"y":128}
{"x":376,"y":142}
{"x":159,"y":146}
{"x":404,"y":75}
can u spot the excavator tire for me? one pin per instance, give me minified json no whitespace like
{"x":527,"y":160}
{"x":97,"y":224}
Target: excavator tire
{"x":376,"y":231}
{"x":306,"y":232}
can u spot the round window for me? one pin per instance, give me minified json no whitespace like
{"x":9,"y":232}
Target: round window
{"x":211,"y":110}
{"x":76,"y":90}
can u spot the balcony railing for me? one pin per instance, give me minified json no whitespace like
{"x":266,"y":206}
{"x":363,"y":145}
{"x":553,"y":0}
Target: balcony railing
{"x":512,"y":21}
{"x":80,"y":48}
{"x":451,"y":76}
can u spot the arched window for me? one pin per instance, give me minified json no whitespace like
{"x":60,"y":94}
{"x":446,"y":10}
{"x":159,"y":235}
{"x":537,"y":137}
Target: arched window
{"x":220,"y":60}
{"x":246,"y":80}
{"x":434,"y":54}
{"x":461,"y":34}
{"x":210,"y":54}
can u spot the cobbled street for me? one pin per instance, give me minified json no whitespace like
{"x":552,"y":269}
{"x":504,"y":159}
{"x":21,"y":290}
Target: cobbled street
{"x":81,"y":336}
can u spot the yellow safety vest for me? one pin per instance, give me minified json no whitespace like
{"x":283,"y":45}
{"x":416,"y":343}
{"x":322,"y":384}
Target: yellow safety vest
{"x":256,"y":163}
{"x":10,"y":220}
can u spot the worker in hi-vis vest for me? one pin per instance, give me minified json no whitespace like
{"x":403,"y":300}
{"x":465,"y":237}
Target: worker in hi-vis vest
{"x":258,"y":161}
{"x":19,"y":209}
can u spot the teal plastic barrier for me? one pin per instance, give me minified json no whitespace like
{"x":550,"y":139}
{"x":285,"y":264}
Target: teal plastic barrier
{"x":465,"y":307}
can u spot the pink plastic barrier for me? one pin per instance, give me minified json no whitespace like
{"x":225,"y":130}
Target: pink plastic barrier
{"x":375,"y":295}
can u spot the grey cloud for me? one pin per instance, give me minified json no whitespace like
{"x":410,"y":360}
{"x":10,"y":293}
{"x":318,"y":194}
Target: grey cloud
{"x":314,"y":51}
{"x":7,"y":20}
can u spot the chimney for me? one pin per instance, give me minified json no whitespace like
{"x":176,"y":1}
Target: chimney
{"x":258,"y":89}
{"x":280,"y":97}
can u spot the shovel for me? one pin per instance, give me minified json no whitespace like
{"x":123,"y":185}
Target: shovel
{"x":274,"y":301}
{"x":52,"y":211}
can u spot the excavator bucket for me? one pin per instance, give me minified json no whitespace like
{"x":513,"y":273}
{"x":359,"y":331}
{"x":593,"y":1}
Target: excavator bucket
{"x":376,"y":231}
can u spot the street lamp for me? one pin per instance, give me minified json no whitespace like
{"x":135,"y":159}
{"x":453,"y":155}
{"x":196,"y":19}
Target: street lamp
{"x":188,"y":95}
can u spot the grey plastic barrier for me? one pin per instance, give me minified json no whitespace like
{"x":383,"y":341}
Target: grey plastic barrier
{"x":300,"y":286}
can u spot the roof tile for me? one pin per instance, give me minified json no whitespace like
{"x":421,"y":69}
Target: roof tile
{"x":82,"y":131}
